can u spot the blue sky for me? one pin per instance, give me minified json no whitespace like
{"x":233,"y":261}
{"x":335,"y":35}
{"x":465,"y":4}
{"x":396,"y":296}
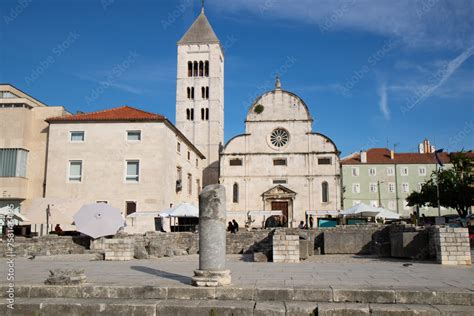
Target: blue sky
{"x":372,"y":72}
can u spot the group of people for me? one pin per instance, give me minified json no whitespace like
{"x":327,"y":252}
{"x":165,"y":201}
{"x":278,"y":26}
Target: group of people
{"x":302,"y":225}
{"x":233,"y":227}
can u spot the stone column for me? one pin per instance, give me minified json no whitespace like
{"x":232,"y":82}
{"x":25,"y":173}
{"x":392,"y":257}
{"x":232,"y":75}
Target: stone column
{"x":212,"y":238}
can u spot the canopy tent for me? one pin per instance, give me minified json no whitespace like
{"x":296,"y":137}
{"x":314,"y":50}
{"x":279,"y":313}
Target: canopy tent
{"x":181,"y":210}
{"x":144,"y":214}
{"x":365,"y":210}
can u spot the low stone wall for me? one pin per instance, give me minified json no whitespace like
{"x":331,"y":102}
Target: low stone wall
{"x":48,"y":245}
{"x":452,"y":245}
{"x":353,"y":239}
{"x":286,"y":247}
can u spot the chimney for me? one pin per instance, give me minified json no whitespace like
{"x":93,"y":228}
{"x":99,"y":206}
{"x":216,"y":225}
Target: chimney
{"x":363,"y":156}
{"x":392,"y":154}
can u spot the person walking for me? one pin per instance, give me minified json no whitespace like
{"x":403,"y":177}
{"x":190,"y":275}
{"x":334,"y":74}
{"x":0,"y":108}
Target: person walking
{"x":236,"y":226}
{"x":230,"y":228}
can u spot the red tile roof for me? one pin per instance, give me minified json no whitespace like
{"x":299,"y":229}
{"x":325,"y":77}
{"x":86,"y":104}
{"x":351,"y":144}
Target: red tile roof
{"x":382,"y":156}
{"x":123,"y":113}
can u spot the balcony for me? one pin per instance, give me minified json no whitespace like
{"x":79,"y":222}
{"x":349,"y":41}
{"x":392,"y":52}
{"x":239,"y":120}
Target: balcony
{"x":13,"y":188}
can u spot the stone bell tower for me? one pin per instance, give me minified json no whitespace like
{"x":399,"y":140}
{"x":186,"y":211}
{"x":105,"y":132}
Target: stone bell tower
{"x":200,"y":93}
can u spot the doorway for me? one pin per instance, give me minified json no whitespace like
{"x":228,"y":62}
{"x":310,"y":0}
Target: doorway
{"x":283,"y":207}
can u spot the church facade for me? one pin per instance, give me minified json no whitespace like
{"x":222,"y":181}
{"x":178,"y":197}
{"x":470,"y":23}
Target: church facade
{"x":279,"y":163}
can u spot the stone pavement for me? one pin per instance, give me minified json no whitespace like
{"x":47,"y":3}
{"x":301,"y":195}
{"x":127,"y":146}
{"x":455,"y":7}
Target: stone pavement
{"x":322,"y":285}
{"x":318,"y":271}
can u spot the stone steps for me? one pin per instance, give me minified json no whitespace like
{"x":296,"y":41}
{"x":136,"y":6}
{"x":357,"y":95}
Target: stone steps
{"x":321,"y":295}
{"x":152,"y":307}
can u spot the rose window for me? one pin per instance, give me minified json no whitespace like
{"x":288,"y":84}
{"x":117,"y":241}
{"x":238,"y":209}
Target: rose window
{"x":279,"y":137}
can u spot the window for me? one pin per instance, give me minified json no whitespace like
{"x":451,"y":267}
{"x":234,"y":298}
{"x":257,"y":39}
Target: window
{"x":325,"y":192}
{"x":235,"y":193}
{"x":235,"y":162}
{"x":279,"y":137}
{"x":355,"y":188}
{"x":374,"y":203}
{"x":324,"y":161}
{"x":203,"y":115}
{"x":373,"y":187}
{"x":372,"y":172}
{"x":190,"y":93}
{"x":179,"y":173}
{"x":279,"y":162}
{"x":190,"y":114}
{"x":201,"y":69}
{"x":280,"y":181}
{"x":404,"y":171}
{"x":197,"y":162}
{"x":206,"y":68}
{"x":190,"y":184}
{"x":195,"y":69}
{"x":391,"y":187}
{"x":75,"y":171}
{"x":178,"y":147}
{"x":130,"y":207}
{"x":390,"y":171}
{"x":190,"y":69}
{"x":405,"y":187}
{"x":13,"y":162}
{"x":207,"y":93}
{"x":422,"y":171}
{"x":355,"y":171}
{"x":133,"y":167}
{"x":391,"y":205}
{"x":207,"y":114}
{"x":189,"y":155}
{"x":103,"y":202}
{"x":355,"y":202}
{"x":198,"y":186}
{"x":134,"y":135}
{"x":77,"y":136}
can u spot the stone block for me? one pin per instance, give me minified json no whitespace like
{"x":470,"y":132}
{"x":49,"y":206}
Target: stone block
{"x":297,"y":308}
{"x":274,"y":294}
{"x":402,"y":310}
{"x":409,"y":245}
{"x":358,"y":242}
{"x":269,"y":309}
{"x":312,"y":294}
{"x":343,"y":309}
{"x":364,"y":295}
{"x":259,"y":257}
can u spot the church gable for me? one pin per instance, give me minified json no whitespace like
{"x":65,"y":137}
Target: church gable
{"x":279,"y":191}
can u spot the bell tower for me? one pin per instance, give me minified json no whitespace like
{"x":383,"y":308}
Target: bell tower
{"x":200,"y":93}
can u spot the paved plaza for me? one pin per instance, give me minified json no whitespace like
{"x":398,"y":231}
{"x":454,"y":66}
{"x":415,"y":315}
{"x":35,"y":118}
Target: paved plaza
{"x":318,"y":271}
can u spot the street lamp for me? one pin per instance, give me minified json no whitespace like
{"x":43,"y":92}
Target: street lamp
{"x":378,"y":190}
{"x":438,"y":162}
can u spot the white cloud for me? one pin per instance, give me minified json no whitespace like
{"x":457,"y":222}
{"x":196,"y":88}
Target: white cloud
{"x":383,"y":102}
{"x":419,"y":23}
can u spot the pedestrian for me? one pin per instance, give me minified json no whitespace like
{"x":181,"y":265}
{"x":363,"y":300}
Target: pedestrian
{"x":301,"y":225}
{"x":58,"y":230}
{"x":311,"y":221}
{"x":230,"y":228}
{"x":236,"y":226}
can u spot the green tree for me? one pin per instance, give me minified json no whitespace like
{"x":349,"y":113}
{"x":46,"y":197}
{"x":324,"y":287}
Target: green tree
{"x":456,"y":186}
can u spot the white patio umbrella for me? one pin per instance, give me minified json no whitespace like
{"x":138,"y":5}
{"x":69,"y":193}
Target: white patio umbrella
{"x":361,"y":209}
{"x":5,"y":211}
{"x":181,"y":210}
{"x":386,"y":214}
{"x":98,"y":220}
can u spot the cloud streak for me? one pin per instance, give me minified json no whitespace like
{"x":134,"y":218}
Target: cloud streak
{"x":422,"y":23}
{"x":383,"y":102}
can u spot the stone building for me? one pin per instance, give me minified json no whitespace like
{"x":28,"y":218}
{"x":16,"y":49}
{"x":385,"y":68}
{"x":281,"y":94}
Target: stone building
{"x":23,"y":137}
{"x":381,"y":177}
{"x":134,"y":160}
{"x":200,"y":93}
{"x":280,"y":163}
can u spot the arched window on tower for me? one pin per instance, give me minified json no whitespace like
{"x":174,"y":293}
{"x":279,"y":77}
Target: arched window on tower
{"x":188,"y":114}
{"x":190,"y":69}
{"x":201,"y":69}
{"x":192,"y":93}
{"x":207,"y":114}
{"x":189,"y":93}
{"x":235,"y":193}
{"x":325,"y":192}
{"x":202,"y":114}
{"x":207,"y":92}
{"x":206,"y":68}
{"x":192,"y":114}
{"x":195,"y":72}
{"x":203,"y":92}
